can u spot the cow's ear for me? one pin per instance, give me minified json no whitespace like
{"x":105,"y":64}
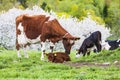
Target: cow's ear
{"x":77,"y":38}
{"x":118,"y":40}
{"x":74,"y":38}
{"x":65,"y":39}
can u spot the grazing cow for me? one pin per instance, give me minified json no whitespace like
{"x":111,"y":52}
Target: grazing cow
{"x":58,"y":57}
{"x":42,"y":29}
{"x":92,"y":41}
{"x":111,"y":44}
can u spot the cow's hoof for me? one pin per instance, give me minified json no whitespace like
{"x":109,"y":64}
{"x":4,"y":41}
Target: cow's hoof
{"x":42,"y":59}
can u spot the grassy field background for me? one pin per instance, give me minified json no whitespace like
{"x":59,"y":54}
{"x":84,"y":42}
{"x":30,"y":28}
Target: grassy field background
{"x":102,"y":66}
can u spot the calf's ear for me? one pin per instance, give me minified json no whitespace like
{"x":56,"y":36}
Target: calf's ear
{"x":55,"y":54}
{"x":45,"y":54}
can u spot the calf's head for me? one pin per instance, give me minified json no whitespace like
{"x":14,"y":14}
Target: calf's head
{"x":79,"y":53}
{"x":50,"y":56}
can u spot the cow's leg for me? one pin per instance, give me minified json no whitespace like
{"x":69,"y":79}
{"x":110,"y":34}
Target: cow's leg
{"x":99,"y":47}
{"x":25,"y":51}
{"x":18,"y":53}
{"x":84,"y":52}
{"x":18,"y":49}
{"x":88,"y":53}
{"x":52,"y":46}
{"x":43,"y":50}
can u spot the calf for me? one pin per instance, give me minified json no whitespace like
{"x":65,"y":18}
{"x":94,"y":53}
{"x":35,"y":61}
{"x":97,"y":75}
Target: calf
{"x":111,"y":44}
{"x":58,"y":57}
{"x":92,"y":41}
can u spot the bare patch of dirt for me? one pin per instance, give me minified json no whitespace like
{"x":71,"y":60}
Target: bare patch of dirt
{"x":81,"y":64}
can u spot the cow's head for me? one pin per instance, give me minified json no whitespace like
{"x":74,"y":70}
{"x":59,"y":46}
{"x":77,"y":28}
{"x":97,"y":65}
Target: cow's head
{"x":105,"y":45}
{"x":68,"y":42}
{"x":79,"y":53}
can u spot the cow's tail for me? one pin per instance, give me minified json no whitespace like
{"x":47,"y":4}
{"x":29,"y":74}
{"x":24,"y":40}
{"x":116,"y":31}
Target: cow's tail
{"x":100,"y":36}
{"x":100,"y":46}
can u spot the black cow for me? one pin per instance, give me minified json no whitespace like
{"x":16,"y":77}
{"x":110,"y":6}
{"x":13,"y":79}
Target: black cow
{"x":112,"y":44}
{"x":92,"y":41}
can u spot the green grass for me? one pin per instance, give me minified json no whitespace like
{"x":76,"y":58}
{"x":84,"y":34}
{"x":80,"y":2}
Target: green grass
{"x":13,"y":68}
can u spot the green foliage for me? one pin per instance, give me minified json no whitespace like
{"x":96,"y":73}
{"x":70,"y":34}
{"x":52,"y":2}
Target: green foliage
{"x":113,"y":18}
{"x":78,"y":11}
{"x":31,"y":3}
{"x":64,"y":14}
{"x":4,"y":6}
{"x":97,"y":19}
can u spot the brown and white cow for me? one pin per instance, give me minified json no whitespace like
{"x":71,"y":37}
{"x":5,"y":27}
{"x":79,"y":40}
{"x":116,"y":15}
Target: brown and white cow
{"x":41,"y":28}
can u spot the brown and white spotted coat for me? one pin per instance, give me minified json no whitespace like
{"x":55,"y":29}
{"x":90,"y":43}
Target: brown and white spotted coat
{"x":41,"y":28}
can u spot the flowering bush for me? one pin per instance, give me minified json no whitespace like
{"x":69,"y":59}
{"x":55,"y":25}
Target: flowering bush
{"x":72,"y":25}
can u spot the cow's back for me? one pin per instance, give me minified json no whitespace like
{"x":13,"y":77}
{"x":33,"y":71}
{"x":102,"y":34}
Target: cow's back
{"x":33,"y":25}
{"x":113,"y":44}
{"x":96,"y":36}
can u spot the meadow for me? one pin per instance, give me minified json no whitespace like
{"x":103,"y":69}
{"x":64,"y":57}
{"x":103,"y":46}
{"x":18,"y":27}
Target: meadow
{"x":104,"y":15}
{"x":101,"y":66}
